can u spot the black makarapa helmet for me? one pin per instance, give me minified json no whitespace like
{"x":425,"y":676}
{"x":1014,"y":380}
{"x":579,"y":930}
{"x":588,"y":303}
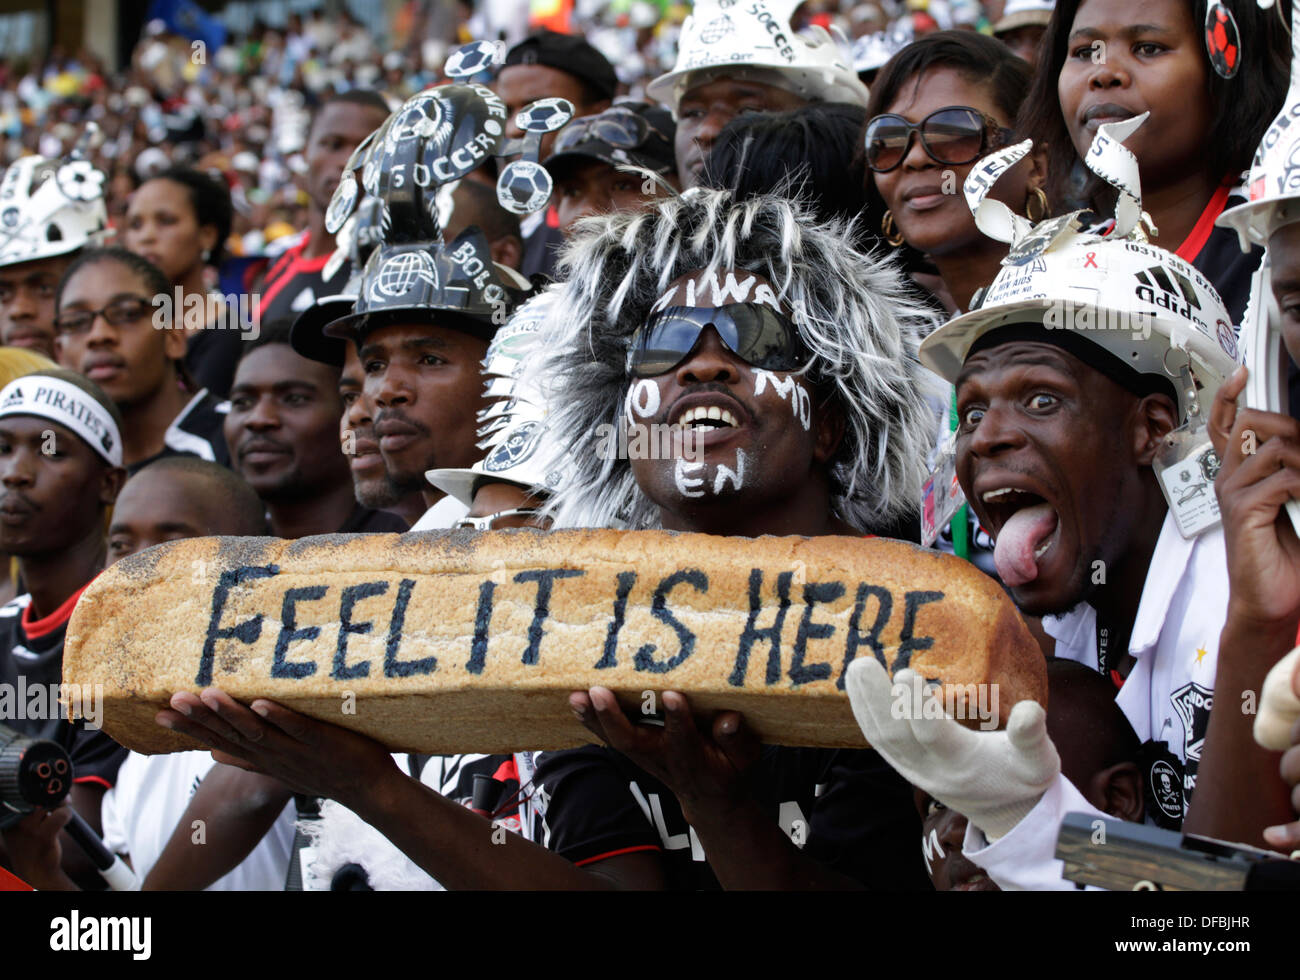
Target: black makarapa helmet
{"x":455,"y":285}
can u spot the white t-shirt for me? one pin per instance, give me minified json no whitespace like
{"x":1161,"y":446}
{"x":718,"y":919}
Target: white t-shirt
{"x":152,"y":791}
{"x":441,"y":515}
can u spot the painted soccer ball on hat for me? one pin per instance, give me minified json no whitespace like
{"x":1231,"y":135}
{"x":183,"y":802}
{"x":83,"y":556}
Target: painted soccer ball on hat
{"x":420,"y":117}
{"x":470,"y":59}
{"x":80,"y":181}
{"x":524,"y":187}
{"x":342,"y":203}
{"x":544,"y":115}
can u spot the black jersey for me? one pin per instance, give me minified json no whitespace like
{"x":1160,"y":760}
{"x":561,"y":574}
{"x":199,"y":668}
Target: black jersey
{"x":196,"y":431}
{"x":1216,"y":253}
{"x":498,"y":787}
{"x":294,"y":282}
{"x":364,"y":520}
{"x":211,"y":357}
{"x":31,"y":669}
{"x":845,"y":808}
{"x":542,"y":246}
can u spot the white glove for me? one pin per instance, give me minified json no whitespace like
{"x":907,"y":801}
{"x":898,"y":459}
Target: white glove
{"x":1279,"y":708}
{"x":992,"y":778}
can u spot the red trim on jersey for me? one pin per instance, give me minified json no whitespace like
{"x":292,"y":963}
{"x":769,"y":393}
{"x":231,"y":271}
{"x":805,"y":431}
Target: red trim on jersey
{"x":622,"y":850}
{"x":35,"y":629}
{"x":507,"y":771}
{"x":1116,"y":679}
{"x":12,"y":883}
{"x":273,"y":273}
{"x":1191,"y":247}
{"x":92,"y":779}
{"x":295,"y":264}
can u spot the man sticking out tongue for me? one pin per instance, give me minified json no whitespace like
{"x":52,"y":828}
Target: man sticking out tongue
{"x":1083,"y":383}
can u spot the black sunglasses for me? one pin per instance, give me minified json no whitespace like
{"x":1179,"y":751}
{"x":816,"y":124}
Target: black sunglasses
{"x":757,"y":334}
{"x":617,"y":127}
{"x":119,"y":313}
{"x":954,"y":135}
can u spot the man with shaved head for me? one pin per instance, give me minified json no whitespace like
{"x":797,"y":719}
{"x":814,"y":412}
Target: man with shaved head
{"x":182,"y":497}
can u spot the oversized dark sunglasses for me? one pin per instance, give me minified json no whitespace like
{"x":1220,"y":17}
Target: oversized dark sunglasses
{"x":616,"y":127}
{"x":121,"y":312}
{"x":757,"y":334}
{"x":954,"y":135}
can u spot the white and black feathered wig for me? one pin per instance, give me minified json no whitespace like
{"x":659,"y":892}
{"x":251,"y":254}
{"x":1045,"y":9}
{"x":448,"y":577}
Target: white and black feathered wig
{"x":852,"y":311}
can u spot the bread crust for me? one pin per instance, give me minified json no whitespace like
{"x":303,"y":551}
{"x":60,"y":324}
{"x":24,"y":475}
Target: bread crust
{"x":464,"y":641}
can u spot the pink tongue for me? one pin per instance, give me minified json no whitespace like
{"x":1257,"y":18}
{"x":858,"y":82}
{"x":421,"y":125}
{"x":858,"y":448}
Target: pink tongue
{"x":1019,"y":538}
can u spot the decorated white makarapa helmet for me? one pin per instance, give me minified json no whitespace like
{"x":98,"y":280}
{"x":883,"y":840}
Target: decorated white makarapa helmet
{"x":1024,"y":13}
{"x":872,"y":51}
{"x":49,"y":207}
{"x":1274,"y":183}
{"x":754,"y":39}
{"x":1139,"y":303}
{"x":512,"y":428}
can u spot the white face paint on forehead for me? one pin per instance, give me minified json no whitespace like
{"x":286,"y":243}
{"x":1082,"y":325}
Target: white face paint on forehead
{"x":711,"y":289}
{"x":800,"y":400}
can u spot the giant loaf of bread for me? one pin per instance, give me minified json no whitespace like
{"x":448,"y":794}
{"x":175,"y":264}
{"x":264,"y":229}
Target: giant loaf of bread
{"x":470,"y":642}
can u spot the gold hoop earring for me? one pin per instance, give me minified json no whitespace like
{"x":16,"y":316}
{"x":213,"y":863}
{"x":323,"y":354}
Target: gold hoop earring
{"x":1036,"y":195}
{"x":891,"y":233}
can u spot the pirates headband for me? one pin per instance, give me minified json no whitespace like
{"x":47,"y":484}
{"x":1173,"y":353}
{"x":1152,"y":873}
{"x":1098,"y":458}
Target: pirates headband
{"x":63,"y":402}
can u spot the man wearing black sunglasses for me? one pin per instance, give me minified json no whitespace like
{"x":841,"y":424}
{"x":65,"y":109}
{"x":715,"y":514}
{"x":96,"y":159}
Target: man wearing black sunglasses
{"x":785,"y":357}
{"x":589,"y":152}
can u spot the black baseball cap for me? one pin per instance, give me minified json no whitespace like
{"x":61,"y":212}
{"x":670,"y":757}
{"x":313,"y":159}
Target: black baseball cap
{"x":634,"y":134}
{"x":307,"y":335}
{"x":567,"y":53}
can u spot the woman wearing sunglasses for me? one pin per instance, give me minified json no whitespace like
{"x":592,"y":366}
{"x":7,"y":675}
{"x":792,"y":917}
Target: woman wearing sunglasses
{"x":937,"y":106}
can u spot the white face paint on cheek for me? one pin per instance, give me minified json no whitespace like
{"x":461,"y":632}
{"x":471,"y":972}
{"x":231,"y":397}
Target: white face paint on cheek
{"x":736,"y":476}
{"x":788,"y":387}
{"x":932,"y":849}
{"x":686,"y":486}
{"x":802,"y":405}
{"x":642,"y":399}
